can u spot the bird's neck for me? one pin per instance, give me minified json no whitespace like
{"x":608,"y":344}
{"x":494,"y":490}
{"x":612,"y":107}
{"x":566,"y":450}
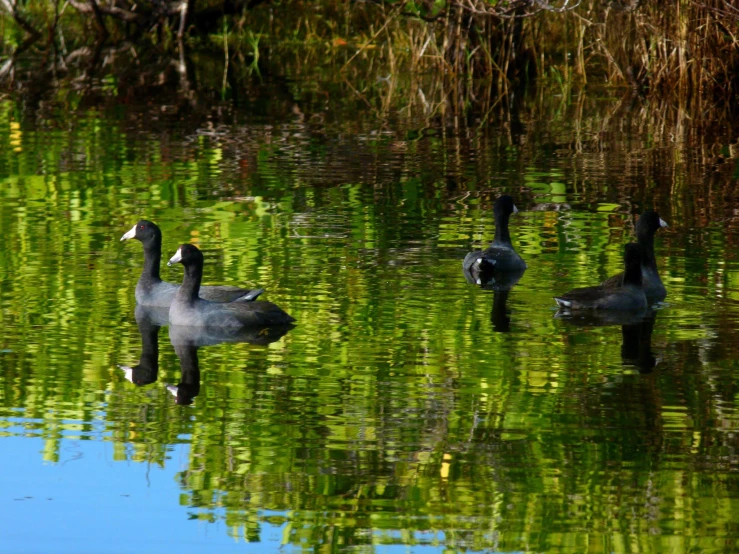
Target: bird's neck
{"x":502,"y":236}
{"x":191,"y":283}
{"x":645,"y":239}
{"x":152,"y":260}
{"x":632,"y":275}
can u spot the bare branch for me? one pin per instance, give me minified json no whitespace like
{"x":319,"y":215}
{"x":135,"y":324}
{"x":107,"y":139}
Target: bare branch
{"x":183,"y":18}
{"x":22,"y":22}
{"x":112,"y":11}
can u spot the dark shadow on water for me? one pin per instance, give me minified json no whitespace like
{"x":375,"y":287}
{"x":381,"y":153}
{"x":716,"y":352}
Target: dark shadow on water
{"x":636,"y":332}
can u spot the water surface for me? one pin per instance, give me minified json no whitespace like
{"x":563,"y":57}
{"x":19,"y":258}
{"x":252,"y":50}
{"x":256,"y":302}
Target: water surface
{"x":407,"y":407}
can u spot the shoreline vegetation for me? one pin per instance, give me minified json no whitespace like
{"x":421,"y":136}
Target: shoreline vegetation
{"x":391,"y":71}
{"x":670,"y":71}
{"x":477,"y":51}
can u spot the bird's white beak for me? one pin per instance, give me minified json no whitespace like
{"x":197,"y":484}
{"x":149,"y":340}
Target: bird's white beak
{"x":131,"y":234}
{"x":177,"y":258}
{"x":515,"y":209}
{"x":663,"y":223}
{"x":172,"y":389}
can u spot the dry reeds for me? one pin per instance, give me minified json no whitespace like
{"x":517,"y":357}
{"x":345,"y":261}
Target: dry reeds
{"x":683,"y":49}
{"x":686,"y":51}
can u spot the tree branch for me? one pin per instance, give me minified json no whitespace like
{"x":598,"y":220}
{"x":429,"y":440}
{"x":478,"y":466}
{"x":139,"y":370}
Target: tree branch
{"x":22,"y":22}
{"x":112,"y":11}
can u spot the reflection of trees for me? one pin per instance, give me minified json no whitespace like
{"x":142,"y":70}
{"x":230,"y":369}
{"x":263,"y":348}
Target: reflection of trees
{"x":395,"y":401}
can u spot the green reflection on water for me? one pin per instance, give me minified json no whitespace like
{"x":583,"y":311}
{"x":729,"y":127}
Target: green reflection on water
{"x":394,"y":413}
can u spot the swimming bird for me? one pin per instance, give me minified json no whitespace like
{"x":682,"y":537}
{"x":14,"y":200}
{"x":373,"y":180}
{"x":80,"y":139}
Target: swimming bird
{"x":648,"y":224}
{"x":188,"y":308}
{"x":500,"y":257}
{"x":152,"y":291}
{"x":628,"y":295}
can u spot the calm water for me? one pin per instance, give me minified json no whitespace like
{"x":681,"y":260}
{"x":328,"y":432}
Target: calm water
{"x":408,"y":410}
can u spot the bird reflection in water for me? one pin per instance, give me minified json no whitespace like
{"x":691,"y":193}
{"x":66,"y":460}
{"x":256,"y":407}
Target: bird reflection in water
{"x":636,"y":333}
{"x":189,"y":386}
{"x":187,"y":340}
{"x":636,"y":348}
{"x":149,"y":321}
{"x":501,"y":284}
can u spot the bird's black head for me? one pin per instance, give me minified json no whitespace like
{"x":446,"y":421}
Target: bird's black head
{"x":187,"y":254}
{"x":145,"y":231}
{"x":650,"y":221}
{"x":504,"y":206}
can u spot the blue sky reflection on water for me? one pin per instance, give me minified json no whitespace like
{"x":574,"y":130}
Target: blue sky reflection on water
{"x":90,"y":503}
